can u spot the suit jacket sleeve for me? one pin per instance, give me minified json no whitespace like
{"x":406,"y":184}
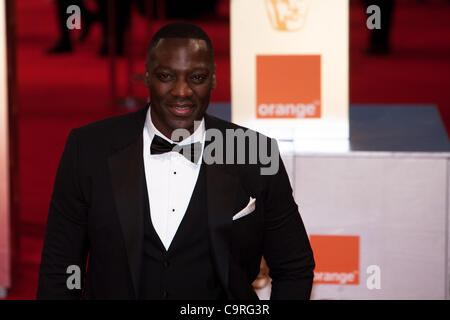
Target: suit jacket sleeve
{"x":286,"y":245}
{"x":66,"y":235}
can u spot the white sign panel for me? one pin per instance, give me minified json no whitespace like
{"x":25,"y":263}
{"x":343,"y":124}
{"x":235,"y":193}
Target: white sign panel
{"x":289,"y":67}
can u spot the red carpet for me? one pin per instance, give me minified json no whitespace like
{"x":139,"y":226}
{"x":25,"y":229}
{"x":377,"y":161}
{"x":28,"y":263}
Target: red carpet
{"x":57,"y":93}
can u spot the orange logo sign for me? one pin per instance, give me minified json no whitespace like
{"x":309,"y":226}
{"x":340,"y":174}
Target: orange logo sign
{"x":287,"y":15}
{"x":288,"y":86}
{"x":337,"y":259}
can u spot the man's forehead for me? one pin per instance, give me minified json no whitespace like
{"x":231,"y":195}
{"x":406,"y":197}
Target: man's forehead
{"x":177,"y":50}
{"x":188,"y":43}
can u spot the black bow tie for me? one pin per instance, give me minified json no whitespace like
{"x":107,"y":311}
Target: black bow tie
{"x":189,"y":151}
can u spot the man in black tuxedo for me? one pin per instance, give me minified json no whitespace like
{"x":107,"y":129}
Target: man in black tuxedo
{"x":143,"y":222}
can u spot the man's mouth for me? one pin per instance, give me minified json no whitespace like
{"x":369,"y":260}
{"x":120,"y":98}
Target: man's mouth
{"x":181,"y":109}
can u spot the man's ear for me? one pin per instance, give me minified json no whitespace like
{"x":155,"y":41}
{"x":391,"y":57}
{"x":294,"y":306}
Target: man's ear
{"x":147,"y":79}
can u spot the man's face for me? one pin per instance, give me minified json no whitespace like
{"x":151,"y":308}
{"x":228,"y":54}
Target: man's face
{"x":180,"y":76}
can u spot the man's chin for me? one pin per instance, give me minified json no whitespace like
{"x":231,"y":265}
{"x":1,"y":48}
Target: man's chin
{"x":181,"y":128}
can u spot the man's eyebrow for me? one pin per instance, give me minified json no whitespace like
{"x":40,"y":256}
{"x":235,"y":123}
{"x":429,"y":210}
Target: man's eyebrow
{"x":163,"y":67}
{"x":191,"y":70}
{"x":200,"y":69}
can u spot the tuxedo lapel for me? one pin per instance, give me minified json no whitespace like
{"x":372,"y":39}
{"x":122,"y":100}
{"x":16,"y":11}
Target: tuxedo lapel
{"x":221,"y":184}
{"x":127,"y":173}
{"x":221,"y":196}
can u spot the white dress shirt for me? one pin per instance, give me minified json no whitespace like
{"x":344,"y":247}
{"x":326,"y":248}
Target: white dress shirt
{"x":171,"y":179}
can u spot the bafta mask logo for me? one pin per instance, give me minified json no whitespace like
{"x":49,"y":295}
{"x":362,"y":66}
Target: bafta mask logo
{"x":287,"y":15}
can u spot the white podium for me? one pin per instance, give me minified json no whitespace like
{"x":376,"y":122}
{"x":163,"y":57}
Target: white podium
{"x":395,"y":203}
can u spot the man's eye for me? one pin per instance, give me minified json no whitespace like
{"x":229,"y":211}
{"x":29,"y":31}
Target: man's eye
{"x":198,"y":77}
{"x":164,"y":76}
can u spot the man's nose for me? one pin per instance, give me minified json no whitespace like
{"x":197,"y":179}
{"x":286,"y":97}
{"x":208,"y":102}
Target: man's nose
{"x":181,"y":89}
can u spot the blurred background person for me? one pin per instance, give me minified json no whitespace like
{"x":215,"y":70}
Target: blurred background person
{"x":379,"y":39}
{"x":64,"y":44}
{"x":122,"y":11}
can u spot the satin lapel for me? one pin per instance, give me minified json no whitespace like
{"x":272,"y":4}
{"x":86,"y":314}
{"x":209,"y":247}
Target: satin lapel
{"x":221,"y":183}
{"x":127,"y":171}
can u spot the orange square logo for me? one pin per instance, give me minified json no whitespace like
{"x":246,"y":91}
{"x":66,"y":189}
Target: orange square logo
{"x":337,"y":259}
{"x":288,"y":86}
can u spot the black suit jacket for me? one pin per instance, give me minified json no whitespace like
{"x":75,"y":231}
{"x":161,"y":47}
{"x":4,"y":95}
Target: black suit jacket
{"x":95,"y":219}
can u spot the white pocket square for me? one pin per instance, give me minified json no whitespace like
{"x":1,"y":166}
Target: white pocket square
{"x":247,"y":210}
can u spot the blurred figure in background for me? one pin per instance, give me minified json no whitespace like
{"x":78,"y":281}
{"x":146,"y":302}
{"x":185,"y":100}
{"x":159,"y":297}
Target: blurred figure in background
{"x":379,"y":39}
{"x":121,"y":22}
{"x":198,"y":9}
{"x":122,"y":13}
{"x":185,"y":10}
{"x":63,"y":44}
